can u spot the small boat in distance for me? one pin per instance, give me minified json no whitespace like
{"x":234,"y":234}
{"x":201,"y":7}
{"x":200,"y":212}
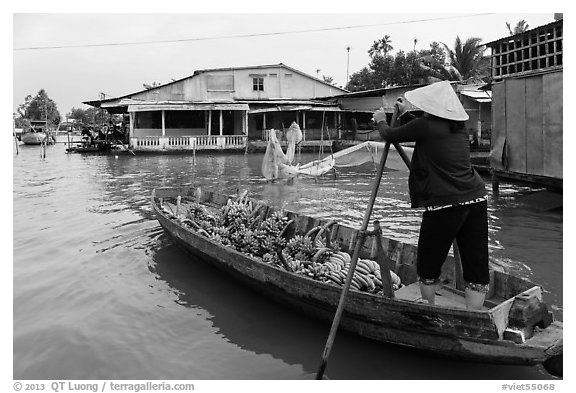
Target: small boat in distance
{"x":300,"y":261}
{"x":37,"y":134}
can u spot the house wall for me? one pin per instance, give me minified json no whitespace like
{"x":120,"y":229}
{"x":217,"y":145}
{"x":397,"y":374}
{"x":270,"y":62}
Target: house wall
{"x":139,"y":132}
{"x":369,"y":104}
{"x":527,"y":133}
{"x":480,"y":116}
{"x":237,"y":84}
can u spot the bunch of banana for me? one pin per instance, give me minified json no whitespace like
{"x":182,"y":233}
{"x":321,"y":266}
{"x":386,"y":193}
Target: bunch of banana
{"x":274,"y":223}
{"x":300,"y":247}
{"x":199,"y":212}
{"x":235,"y":214}
{"x":364,"y":278}
{"x":245,"y":241}
{"x":337,"y":266}
{"x":322,"y":254}
{"x":314,"y":270}
{"x":340,"y":258}
{"x":372,"y":269}
{"x":218,"y":238}
{"x":270,"y":258}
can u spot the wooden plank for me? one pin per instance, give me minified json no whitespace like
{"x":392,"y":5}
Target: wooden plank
{"x":383,"y":262}
{"x":497,"y":154}
{"x":516,"y":124}
{"x":553,"y":124}
{"x":444,"y":297}
{"x":534,"y":126}
{"x":500,"y":315}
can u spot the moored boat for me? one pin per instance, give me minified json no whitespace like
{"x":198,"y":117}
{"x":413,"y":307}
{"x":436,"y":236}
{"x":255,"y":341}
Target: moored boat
{"x":368,"y":135}
{"x":32,"y":138}
{"x":37,"y":134}
{"x":296,"y":263}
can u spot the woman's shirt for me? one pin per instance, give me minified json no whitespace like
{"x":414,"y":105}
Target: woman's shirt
{"x":441,"y":173}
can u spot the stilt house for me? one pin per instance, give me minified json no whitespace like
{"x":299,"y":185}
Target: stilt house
{"x":222,"y":108}
{"x":527,"y":106}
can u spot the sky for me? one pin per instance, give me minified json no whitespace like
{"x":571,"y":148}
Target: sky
{"x":77,"y":54}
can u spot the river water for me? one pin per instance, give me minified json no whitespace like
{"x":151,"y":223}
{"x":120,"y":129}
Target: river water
{"x":100,"y":292}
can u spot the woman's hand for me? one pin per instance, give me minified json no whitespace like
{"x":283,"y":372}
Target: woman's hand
{"x":401,"y":106}
{"x":379,"y":116}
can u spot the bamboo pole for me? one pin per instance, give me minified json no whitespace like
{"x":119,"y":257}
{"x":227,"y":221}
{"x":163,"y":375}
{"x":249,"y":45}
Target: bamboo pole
{"x":353,"y":262}
{"x":355,"y":255}
{"x":14,"y":133}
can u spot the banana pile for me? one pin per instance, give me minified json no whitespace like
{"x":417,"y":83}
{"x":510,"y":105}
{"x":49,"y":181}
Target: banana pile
{"x":367,"y":276}
{"x":238,"y":225}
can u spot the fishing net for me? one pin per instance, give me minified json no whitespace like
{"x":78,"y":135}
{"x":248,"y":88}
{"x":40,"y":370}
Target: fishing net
{"x":351,"y":156}
{"x":276,"y":164}
{"x":294,"y":136}
{"x":270,"y":162}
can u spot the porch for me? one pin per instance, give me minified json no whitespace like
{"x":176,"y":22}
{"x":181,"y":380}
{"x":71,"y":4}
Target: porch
{"x":188,"y":143}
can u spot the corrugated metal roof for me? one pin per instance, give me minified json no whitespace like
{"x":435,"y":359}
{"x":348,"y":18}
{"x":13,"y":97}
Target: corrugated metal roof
{"x":374,"y":92}
{"x":284,"y":108}
{"x":478,"y":95}
{"x":97,"y":103}
{"x":157,"y":106}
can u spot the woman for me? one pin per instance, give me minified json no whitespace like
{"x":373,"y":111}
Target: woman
{"x":443,"y":182}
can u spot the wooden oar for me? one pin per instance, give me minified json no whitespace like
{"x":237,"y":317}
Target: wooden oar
{"x":354,"y":260}
{"x":131,"y":152}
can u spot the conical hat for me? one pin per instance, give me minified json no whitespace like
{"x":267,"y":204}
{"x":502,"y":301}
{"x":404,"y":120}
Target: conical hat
{"x":438,"y":99}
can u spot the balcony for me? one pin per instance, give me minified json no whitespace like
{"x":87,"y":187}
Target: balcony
{"x":188,"y":143}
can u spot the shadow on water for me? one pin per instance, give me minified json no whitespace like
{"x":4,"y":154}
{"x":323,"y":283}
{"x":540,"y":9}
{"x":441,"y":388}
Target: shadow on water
{"x":262,"y":326}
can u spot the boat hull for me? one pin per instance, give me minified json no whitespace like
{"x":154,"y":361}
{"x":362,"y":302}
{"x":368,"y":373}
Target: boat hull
{"x":33,"y":138}
{"x":448,"y":332}
{"x":368,"y":135}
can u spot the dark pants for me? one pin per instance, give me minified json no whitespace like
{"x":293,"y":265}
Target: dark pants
{"x":468,"y":224}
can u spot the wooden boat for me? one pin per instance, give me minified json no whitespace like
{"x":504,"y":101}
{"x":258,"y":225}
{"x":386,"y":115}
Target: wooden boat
{"x":97,"y":146}
{"x":37,"y":134}
{"x":368,"y":135}
{"x":515,"y":326}
{"x":32,"y":138}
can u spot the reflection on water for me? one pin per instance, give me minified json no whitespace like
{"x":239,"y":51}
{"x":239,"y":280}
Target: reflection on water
{"x":100,"y":292}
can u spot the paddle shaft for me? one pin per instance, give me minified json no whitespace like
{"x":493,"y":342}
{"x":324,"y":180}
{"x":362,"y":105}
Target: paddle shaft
{"x":357,"y":248}
{"x":124,"y":146}
{"x":352,"y":267}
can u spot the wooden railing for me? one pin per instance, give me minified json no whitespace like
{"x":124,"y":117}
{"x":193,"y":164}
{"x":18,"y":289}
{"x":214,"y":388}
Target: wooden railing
{"x":178,"y":143}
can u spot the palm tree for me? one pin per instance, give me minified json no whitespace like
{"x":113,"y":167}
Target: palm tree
{"x":381,"y":47}
{"x":467,"y":58}
{"x":520,"y":27}
{"x":438,"y":70}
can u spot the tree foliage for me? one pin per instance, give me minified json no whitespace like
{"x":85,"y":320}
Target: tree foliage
{"x":381,"y":47}
{"x":402,"y":68}
{"x":152,"y":85}
{"x":84,"y":116}
{"x":37,"y":108}
{"x":520,"y":27}
{"x":468,"y":58}
{"x":439,"y":62}
{"x":328,"y":79}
